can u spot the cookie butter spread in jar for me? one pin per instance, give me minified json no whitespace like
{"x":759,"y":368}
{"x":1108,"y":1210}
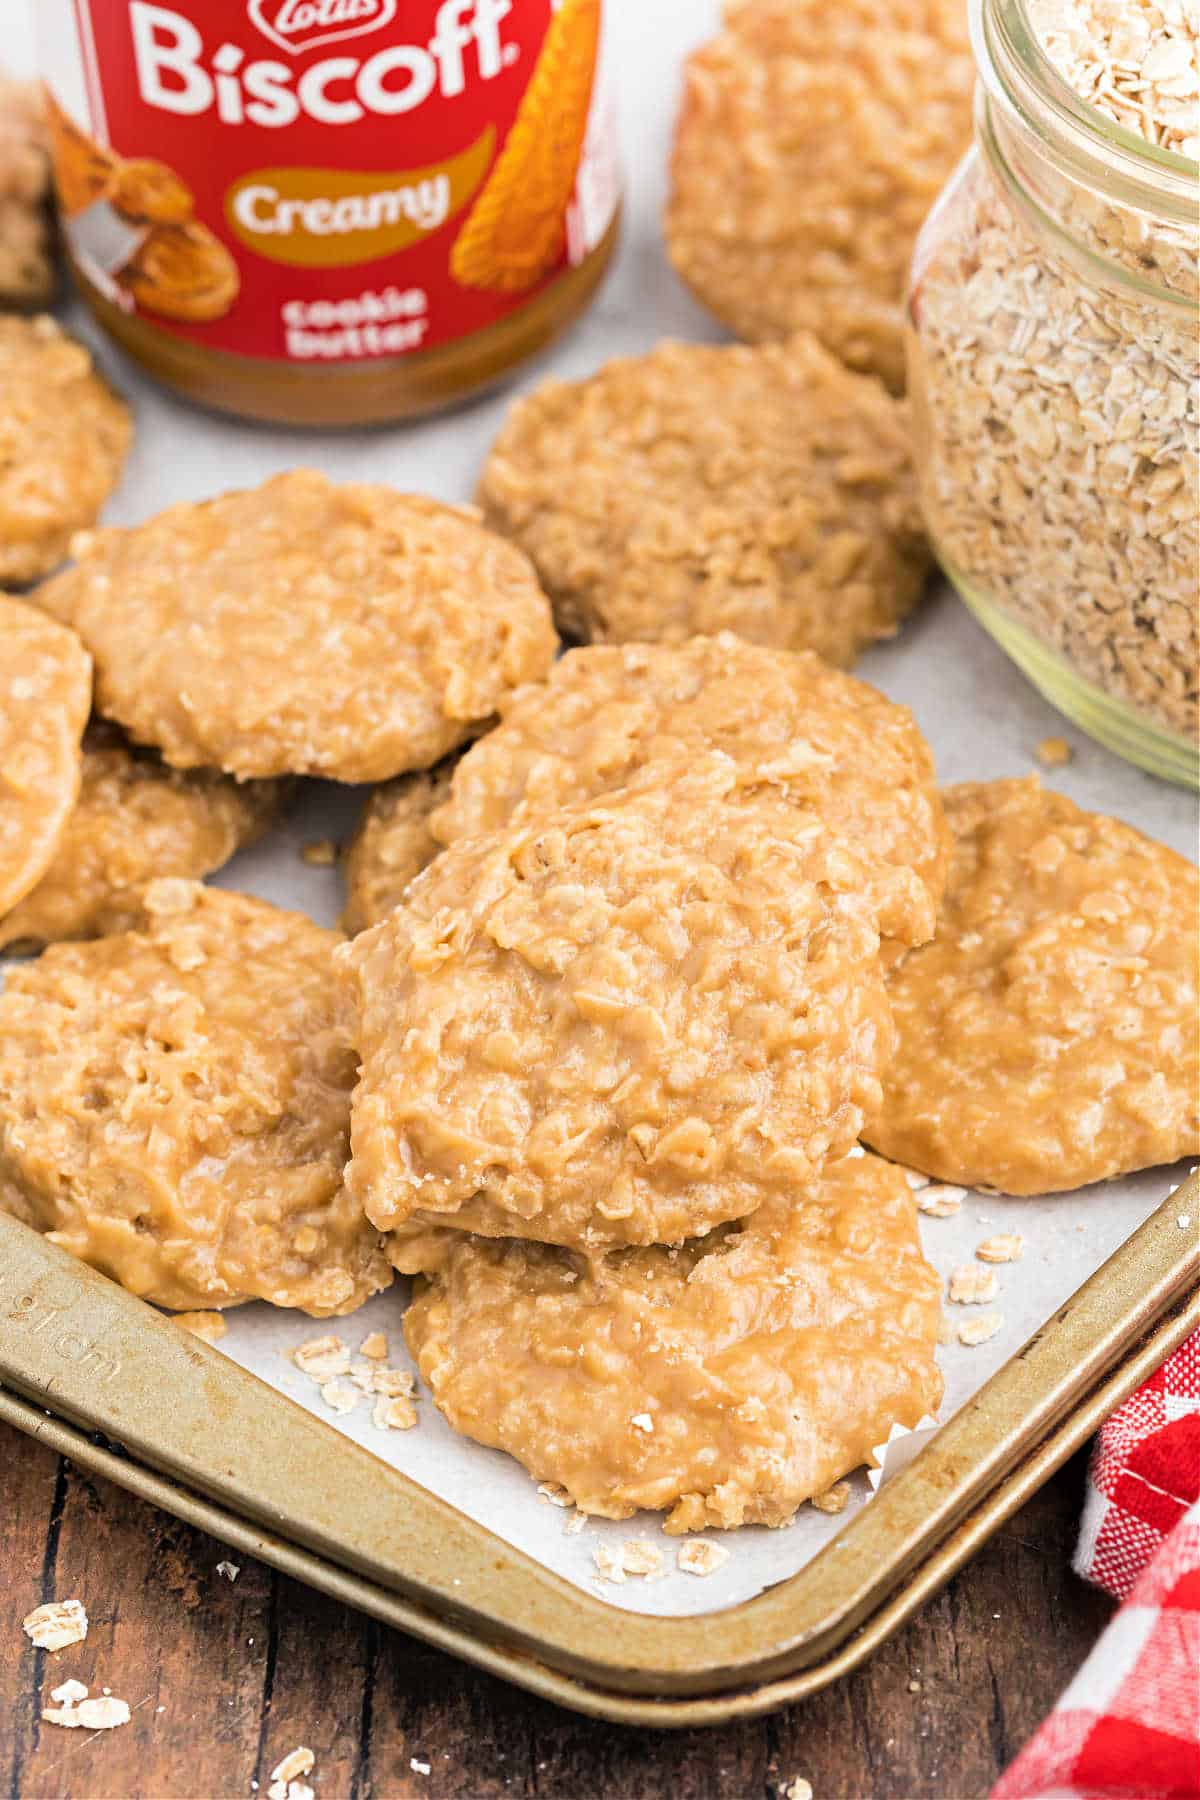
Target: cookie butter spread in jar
{"x":331,"y":212}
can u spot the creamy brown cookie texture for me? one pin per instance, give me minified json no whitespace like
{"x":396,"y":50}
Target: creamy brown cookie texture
{"x":305,"y":628}
{"x":796,"y":730}
{"x":27,"y":273}
{"x":63,"y":439}
{"x":811,"y":142}
{"x":45,"y":697}
{"x":134,"y":820}
{"x":392,"y":844}
{"x":175,"y":1107}
{"x":726,"y":1381}
{"x":1048,"y":1034}
{"x":763,"y":490}
{"x":625,"y":1024}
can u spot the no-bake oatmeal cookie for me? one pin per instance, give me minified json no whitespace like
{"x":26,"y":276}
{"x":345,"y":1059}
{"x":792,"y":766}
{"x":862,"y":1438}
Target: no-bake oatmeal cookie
{"x":175,"y":1107}
{"x":135,"y":819}
{"x":392,"y":844}
{"x":305,"y":628}
{"x":794,"y":727}
{"x":63,"y":439}
{"x":45,"y":697}
{"x":27,"y":274}
{"x":626,"y":1023}
{"x":811,"y":142}
{"x":727,"y":1380}
{"x":1048,"y":1034}
{"x":764,"y":490}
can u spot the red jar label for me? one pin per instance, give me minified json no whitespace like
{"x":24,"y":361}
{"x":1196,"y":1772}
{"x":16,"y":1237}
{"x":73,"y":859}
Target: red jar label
{"x":325,"y":181}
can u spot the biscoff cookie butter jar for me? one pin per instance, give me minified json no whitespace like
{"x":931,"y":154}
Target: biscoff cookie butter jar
{"x":1052,"y":356}
{"x":331,"y":212}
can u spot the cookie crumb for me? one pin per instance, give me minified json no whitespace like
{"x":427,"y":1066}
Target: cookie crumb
{"x":340,"y":1397}
{"x":834,"y":1499}
{"x":297,"y":1762}
{"x":56,"y":1624}
{"x":229,"y":1570}
{"x":320,"y":854}
{"x":395,"y":1383}
{"x":700,"y":1556}
{"x":972,"y":1286}
{"x":1054,"y":752}
{"x":575,"y":1523}
{"x":322,"y":1357}
{"x":554,"y":1493}
{"x":980,"y":1329}
{"x":374,"y":1347}
{"x":640,"y":1558}
{"x":209,"y":1326}
{"x":104,"y":1713}
{"x":1005,"y":1247}
{"x":940,"y":1201}
{"x":393,"y":1413}
{"x":68,"y":1692}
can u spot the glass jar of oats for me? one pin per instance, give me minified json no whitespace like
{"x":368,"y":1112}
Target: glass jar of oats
{"x":1053,"y":367}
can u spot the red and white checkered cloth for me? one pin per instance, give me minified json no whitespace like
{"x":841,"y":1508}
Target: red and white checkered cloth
{"x":1129,"y":1724}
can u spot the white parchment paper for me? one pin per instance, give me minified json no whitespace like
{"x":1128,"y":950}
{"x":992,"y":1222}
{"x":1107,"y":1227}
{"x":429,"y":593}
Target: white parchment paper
{"x":980,"y":715}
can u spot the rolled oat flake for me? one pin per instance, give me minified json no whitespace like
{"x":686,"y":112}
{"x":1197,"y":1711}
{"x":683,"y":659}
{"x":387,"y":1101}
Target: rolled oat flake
{"x":1053,"y":362}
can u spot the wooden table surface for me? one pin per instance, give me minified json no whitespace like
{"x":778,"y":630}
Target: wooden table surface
{"x":224,"y":1679}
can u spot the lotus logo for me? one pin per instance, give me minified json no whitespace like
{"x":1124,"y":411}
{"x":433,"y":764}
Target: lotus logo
{"x":299,"y":25}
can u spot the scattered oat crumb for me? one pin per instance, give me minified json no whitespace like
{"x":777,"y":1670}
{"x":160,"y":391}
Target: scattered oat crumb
{"x":101,"y":1714}
{"x":321,"y":853}
{"x":554,"y":1493}
{"x":640,"y":1558}
{"x":393,"y":1413}
{"x":1054,"y":752}
{"x":297,"y":1762}
{"x":340,"y":1396}
{"x":700,"y":1556}
{"x":979,"y":1329}
{"x":947,"y":1331}
{"x":940,"y":1201}
{"x":642,"y":1422}
{"x":207,"y":1325}
{"x":914,"y":1687}
{"x":633,"y":1557}
{"x":374,"y":1347}
{"x":417,"y":1766}
{"x":797,"y":1789}
{"x":68,"y":1692}
{"x":322,"y":1357}
{"x":575,"y":1523}
{"x":972,"y":1286}
{"x":229,"y":1570}
{"x":56,"y":1624}
{"x":834,"y":1499}
{"x":362,"y":1375}
{"x":1005,"y":1247}
{"x":394,"y":1383}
